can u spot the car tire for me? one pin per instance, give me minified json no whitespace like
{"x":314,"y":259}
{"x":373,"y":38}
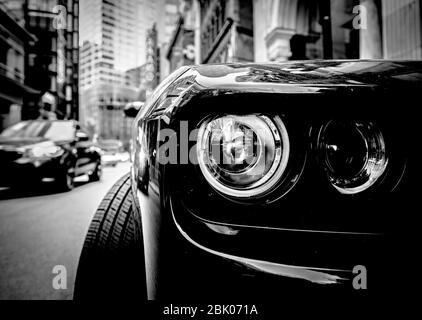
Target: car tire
{"x":66,"y":179}
{"x":111,"y":265}
{"x":96,"y":174}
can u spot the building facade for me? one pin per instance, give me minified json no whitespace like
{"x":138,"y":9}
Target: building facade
{"x":181,"y":50}
{"x":183,"y":47}
{"x":280,"y":30}
{"x":121,"y":49}
{"x":401,"y":26}
{"x":114,"y":26}
{"x":13,"y":41}
{"x":226,"y":31}
{"x":51,"y":64}
{"x":112,"y":43}
{"x":151,"y":76}
{"x":339,"y":29}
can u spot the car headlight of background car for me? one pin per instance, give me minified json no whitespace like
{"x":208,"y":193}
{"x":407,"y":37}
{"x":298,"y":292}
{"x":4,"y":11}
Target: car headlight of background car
{"x":43,"y":151}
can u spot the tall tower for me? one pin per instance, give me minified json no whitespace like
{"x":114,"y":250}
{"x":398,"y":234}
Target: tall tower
{"x":113,"y":37}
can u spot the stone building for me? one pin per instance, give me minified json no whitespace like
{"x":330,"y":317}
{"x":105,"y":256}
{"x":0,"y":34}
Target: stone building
{"x":339,"y":29}
{"x":226,"y":31}
{"x":183,"y":47}
{"x":401,"y":28}
{"x":285,"y":29}
{"x":13,"y":40}
{"x":52,"y":62}
{"x":280,"y":30}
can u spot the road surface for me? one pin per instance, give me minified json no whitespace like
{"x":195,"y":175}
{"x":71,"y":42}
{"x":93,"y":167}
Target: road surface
{"x":41,"y":229}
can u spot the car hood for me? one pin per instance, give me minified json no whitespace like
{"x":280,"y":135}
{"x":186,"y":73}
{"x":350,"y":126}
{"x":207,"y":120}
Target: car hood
{"x":311,"y":77}
{"x":289,"y":76}
{"x":13,"y":143}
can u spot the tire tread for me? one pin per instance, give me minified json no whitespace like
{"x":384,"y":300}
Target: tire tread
{"x":110,"y":249}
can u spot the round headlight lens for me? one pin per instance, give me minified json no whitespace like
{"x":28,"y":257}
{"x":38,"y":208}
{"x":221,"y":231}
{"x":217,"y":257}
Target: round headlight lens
{"x":353,"y":155}
{"x":243,"y":156}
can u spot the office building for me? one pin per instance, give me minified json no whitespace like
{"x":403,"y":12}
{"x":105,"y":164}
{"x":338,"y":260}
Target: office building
{"x":183,"y":48}
{"x":14,"y":39}
{"x":111,"y":43}
{"x":339,"y":29}
{"x":51,"y":64}
{"x":226,"y":31}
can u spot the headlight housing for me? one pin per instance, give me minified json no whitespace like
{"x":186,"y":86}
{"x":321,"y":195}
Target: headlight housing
{"x":243,"y":156}
{"x":44,"y":151}
{"x":353,"y":154}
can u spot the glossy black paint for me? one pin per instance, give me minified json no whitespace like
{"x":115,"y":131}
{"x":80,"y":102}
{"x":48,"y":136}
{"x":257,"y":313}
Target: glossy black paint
{"x":200,"y":243}
{"x":78,"y":155}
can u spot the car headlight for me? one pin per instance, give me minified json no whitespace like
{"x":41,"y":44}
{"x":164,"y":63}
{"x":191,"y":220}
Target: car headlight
{"x":243,"y":156}
{"x":44,"y":151}
{"x":353,"y":154}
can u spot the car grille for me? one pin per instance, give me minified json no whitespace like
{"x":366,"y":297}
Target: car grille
{"x":7,"y":156}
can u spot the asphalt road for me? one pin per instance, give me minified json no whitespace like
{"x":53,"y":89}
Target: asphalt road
{"x":40,"y":229}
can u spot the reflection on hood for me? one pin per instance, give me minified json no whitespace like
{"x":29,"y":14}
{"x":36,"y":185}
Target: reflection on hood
{"x":8,"y":142}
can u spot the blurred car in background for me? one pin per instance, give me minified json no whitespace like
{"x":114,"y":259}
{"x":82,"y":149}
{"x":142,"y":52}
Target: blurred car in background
{"x":124,"y":156}
{"x":44,"y":150}
{"x":112,"y":152}
{"x":132,"y":108}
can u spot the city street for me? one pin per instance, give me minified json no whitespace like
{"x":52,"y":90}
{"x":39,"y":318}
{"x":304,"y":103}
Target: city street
{"x":42,"y":229}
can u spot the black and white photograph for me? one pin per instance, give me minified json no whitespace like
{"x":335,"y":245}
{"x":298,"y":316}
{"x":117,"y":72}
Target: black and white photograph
{"x":208,"y":157}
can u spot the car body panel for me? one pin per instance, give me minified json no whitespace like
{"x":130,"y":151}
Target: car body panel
{"x":185,"y":249}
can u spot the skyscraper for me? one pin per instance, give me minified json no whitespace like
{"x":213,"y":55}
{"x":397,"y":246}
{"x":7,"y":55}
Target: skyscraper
{"x":117,"y":26}
{"x":119,"y":30}
{"x":110,"y":44}
{"x":113,"y":38}
{"x":113,"y":41}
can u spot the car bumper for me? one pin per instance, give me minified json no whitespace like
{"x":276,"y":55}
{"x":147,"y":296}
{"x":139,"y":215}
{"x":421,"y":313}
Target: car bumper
{"x":186,"y":258}
{"x":19,"y":172}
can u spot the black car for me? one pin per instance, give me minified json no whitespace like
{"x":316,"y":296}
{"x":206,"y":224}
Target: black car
{"x":39,"y":150}
{"x":262,"y":179}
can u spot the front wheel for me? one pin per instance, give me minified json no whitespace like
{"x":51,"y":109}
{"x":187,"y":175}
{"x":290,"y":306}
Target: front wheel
{"x":111,"y":265}
{"x":96,"y":174}
{"x":65,"y":180}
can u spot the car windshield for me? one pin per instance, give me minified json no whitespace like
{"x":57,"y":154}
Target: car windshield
{"x":53,"y":130}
